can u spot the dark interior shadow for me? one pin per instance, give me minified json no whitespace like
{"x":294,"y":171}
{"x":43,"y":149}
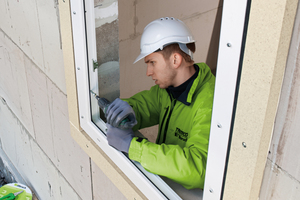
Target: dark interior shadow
{"x":212,"y":55}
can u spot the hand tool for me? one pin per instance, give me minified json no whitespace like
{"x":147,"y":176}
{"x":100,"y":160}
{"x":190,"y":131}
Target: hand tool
{"x":11,"y":196}
{"x":103,"y":104}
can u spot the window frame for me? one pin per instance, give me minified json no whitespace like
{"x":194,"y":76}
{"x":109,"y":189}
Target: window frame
{"x":233,"y":33}
{"x":152,"y":186}
{"x":83,"y":72}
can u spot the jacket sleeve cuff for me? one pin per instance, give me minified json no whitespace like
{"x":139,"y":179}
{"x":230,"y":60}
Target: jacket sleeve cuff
{"x":135,"y":149}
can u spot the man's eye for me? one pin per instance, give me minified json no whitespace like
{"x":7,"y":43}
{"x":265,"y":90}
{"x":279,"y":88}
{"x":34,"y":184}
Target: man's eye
{"x":152,"y":62}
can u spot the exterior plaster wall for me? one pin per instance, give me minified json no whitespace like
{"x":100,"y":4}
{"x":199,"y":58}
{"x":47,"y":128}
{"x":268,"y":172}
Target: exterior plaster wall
{"x":282,"y":174}
{"x":35,"y":131}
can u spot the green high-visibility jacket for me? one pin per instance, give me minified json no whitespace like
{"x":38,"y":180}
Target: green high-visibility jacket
{"x":180,"y":151}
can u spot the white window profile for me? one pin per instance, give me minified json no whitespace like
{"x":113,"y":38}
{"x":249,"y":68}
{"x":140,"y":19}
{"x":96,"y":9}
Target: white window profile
{"x":152,"y":186}
{"x":232,"y":39}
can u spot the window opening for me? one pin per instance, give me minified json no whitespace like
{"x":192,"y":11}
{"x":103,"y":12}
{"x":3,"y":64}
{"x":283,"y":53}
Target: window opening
{"x":91,"y":120}
{"x":98,"y":69}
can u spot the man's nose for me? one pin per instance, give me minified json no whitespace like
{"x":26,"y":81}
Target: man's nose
{"x":149,"y":71}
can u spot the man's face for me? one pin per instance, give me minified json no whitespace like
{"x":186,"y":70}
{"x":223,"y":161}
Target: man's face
{"x":160,"y":70}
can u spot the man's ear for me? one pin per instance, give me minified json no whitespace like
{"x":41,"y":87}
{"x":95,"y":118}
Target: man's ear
{"x":176,"y":60}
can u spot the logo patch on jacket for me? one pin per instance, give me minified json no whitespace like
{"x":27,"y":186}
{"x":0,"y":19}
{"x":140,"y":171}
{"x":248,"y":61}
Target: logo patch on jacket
{"x":181,"y":135}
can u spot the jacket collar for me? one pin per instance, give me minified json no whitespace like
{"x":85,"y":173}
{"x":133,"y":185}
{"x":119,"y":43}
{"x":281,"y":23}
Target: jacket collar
{"x":186,"y":96}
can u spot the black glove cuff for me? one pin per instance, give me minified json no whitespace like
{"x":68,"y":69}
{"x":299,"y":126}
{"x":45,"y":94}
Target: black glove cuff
{"x":139,"y":139}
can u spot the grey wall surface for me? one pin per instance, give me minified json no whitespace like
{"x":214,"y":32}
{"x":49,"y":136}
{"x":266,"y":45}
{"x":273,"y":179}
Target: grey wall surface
{"x":34,"y":123}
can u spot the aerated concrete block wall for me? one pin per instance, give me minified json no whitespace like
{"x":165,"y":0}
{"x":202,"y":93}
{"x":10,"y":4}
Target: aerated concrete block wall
{"x":34,"y":120}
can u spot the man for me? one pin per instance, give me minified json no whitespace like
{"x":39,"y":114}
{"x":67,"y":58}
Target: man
{"x":180,"y":102}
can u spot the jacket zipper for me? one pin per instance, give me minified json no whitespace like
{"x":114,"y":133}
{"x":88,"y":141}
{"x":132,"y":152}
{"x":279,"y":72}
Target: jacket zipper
{"x":173,"y":102}
{"x":162,"y":123}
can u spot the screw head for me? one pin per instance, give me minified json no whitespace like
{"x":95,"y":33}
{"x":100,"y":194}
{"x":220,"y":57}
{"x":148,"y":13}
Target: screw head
{"x":211,"y":190}
{"x":244,"y":144}
{"x":74,"y":13}
{"x":229,"y":44}
{"x":219,"y":125}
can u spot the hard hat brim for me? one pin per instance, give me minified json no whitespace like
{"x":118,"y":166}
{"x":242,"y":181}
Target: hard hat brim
{"x":141,"y":56}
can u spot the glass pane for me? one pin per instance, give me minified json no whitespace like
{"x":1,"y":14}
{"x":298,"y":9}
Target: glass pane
{"x":107,"y":44}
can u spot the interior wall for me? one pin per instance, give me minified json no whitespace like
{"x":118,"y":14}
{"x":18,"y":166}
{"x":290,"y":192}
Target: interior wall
{"x":282,"y":173}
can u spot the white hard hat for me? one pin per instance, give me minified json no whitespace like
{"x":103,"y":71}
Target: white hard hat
{"x":164,"y":31}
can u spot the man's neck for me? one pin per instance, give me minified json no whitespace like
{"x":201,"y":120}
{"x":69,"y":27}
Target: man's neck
{"x":184,"y":73}
{"x":180,"y":91}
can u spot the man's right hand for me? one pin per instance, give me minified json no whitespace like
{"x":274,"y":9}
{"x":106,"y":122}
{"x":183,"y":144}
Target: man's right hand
{"x":118,"y":138}
{"x":117,"y":111}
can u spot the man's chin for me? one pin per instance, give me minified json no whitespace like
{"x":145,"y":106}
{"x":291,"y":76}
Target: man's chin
{"x":162,"y":86}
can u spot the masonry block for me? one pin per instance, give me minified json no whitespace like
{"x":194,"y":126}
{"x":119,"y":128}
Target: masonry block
{"x":39,"y":101}
{"x":13,"y":84}
{"x":20,"y":22}
{"x":102,"y":186}
{"x":278,"y":184}
{"x":34,"y":27}
{"x":52,"y":130}
{"x":36,"y":168}
{"x":49,"y":26}
{"x":70,"y":159}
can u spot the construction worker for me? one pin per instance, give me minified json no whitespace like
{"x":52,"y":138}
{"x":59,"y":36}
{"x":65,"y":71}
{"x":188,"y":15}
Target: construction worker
{"x":180,"y":102}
